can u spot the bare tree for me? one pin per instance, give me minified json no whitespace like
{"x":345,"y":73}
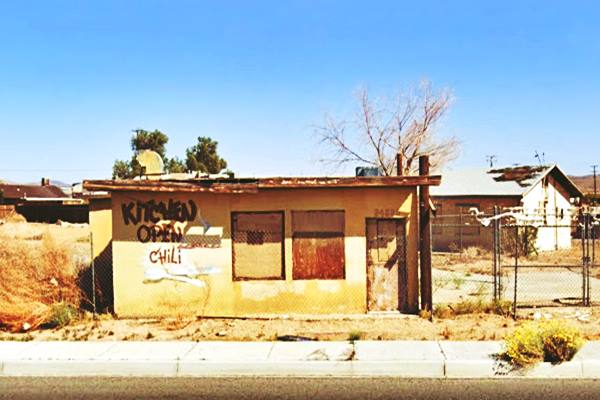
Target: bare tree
{"x":382,"y":129}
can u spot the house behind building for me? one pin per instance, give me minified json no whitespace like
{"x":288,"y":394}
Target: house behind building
{"x":43,"y":203}
{"x":542,"y":192}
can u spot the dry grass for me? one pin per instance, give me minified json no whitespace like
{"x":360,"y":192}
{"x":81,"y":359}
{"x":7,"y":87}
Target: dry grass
{"x":467,"y":307}
{"x":474,"y":260}
{"x":14,"y":217}
{"x":37,"y":279}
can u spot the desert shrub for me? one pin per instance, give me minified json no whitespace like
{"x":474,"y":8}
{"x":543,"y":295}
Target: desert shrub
{"x":37,"y":280}
{"x":354,"y":336}
{"x":473,"y":252}
{"x":560,"y":341}
{"x":477,"y":306}
{"x":525,"y":244}
{"x":61,"y":315}
{"x":552,"y":341}
{"x":15,"y":217}
{"x":457,"y":280}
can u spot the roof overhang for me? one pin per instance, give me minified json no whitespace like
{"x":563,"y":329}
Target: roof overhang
{"x":563,"y":178}
{"x":239,"y":186}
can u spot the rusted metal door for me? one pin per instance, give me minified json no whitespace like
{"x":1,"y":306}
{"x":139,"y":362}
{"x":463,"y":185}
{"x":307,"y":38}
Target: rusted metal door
{"x":386,"y":265}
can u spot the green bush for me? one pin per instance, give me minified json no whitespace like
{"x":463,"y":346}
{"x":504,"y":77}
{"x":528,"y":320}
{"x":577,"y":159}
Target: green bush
{"x":551,"y":341}
{"x":62,"y":315}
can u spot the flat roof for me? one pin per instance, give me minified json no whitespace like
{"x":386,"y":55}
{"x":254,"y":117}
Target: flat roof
{"x":253,"y":185}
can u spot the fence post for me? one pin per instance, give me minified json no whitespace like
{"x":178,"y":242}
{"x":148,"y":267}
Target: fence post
{"x":93,"y":267}
{"x":495,"y":249}
{"x":499,"y":258}
{"x":516,"y":268}
{"x":586,"y":265}
{"x":593,"y":260}
{"x":583,"y":224}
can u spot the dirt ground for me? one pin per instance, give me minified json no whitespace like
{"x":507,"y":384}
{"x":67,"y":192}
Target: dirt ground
{"x":365,"y":327}
{"x":459,"y":277}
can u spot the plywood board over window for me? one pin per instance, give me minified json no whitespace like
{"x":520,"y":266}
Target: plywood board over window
{"x":257,"y":245}
{"x":318,"y":244}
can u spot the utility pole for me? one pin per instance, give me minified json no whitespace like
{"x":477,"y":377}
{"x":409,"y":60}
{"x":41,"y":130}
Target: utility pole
{"x":595,"y":167}
{"x":491,"y":159}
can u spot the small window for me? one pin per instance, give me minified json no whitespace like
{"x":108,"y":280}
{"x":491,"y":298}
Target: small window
{"x":318,"y":244}
{"x":468,"y":224}
{"x":257,"y":245}
{"x":438,"y":221}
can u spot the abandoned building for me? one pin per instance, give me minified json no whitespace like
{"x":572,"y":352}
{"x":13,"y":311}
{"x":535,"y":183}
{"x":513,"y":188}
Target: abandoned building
{"x":244,"y":247}
{"x":543,"y":193}
{"x":43,"y":203}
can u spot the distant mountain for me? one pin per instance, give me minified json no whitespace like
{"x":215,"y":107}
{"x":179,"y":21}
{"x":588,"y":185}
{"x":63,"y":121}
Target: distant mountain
{"x":586,"y":183}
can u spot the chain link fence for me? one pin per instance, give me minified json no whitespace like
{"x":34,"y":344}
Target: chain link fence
{"x":461,"y":260}
{"x":526,"y":259}
{"x":544,"y":264}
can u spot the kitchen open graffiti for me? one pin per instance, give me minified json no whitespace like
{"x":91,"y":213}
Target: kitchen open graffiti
{"x":152,"y":215}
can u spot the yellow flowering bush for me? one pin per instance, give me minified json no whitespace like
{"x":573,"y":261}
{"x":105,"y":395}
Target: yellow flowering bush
{"x":552,"y":341}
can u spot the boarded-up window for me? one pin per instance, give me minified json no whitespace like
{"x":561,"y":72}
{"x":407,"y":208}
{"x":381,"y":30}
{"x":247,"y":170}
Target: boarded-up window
{"x":257,"y":245}
{"x":318,"y":244}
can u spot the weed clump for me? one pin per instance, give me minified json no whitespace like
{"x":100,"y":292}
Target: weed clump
{"x":61,"y":315}
{"x":38,"y":284}
{"x":354,"y":336}
{"x":550,"y":341}
{"x":478,"y":306}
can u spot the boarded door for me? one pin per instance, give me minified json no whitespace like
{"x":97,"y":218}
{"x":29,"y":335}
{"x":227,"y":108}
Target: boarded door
{"x":386,"y":265}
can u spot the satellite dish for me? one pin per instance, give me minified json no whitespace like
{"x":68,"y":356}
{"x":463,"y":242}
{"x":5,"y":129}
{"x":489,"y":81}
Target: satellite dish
{"x":151,"y":161}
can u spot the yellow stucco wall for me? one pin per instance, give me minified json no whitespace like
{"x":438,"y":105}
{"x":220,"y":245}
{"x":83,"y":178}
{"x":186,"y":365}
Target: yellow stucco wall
{"x":100,"y":224}
{"x":224,"y":296}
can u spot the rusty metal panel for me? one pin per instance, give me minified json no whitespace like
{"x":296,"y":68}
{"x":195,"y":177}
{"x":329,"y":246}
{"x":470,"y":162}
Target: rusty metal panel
{"x":318,"y":244}
{"x":257,"y":245}
{"x":253,"y":185}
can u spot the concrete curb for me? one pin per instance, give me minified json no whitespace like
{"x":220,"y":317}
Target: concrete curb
{"x":310,"y":359}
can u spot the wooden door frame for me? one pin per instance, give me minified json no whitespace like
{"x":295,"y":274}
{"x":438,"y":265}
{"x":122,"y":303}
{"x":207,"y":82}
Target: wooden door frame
{"x":402,"y":272}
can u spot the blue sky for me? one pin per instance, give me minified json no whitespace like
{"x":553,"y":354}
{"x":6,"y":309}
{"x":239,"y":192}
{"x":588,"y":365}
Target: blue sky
{"x":76,"y":77}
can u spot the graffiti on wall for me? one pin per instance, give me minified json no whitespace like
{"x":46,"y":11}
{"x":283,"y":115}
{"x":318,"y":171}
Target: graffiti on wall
{"x":159,"y":221}
{"x":176,"y":251}
{"x":175,"y":263}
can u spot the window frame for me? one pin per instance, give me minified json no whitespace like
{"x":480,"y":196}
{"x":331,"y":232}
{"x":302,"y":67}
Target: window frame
{"x":282,"y":276}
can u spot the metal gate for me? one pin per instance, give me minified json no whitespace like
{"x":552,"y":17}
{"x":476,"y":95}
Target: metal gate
{"x":536,"y":261}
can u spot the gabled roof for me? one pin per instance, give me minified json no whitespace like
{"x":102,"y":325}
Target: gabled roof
{"x":13,"y":191}
{"x":511,"y":181}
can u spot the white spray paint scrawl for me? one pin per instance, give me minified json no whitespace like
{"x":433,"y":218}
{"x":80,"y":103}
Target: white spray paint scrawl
{"x":171,"y":263}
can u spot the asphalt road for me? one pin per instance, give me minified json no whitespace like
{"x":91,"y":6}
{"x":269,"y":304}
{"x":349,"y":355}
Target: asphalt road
{"x":294,"y":388}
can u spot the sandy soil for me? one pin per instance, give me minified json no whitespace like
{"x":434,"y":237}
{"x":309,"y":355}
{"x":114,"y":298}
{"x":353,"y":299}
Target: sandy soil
{"x":458,"y":277}
{"x":465,"y":327}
